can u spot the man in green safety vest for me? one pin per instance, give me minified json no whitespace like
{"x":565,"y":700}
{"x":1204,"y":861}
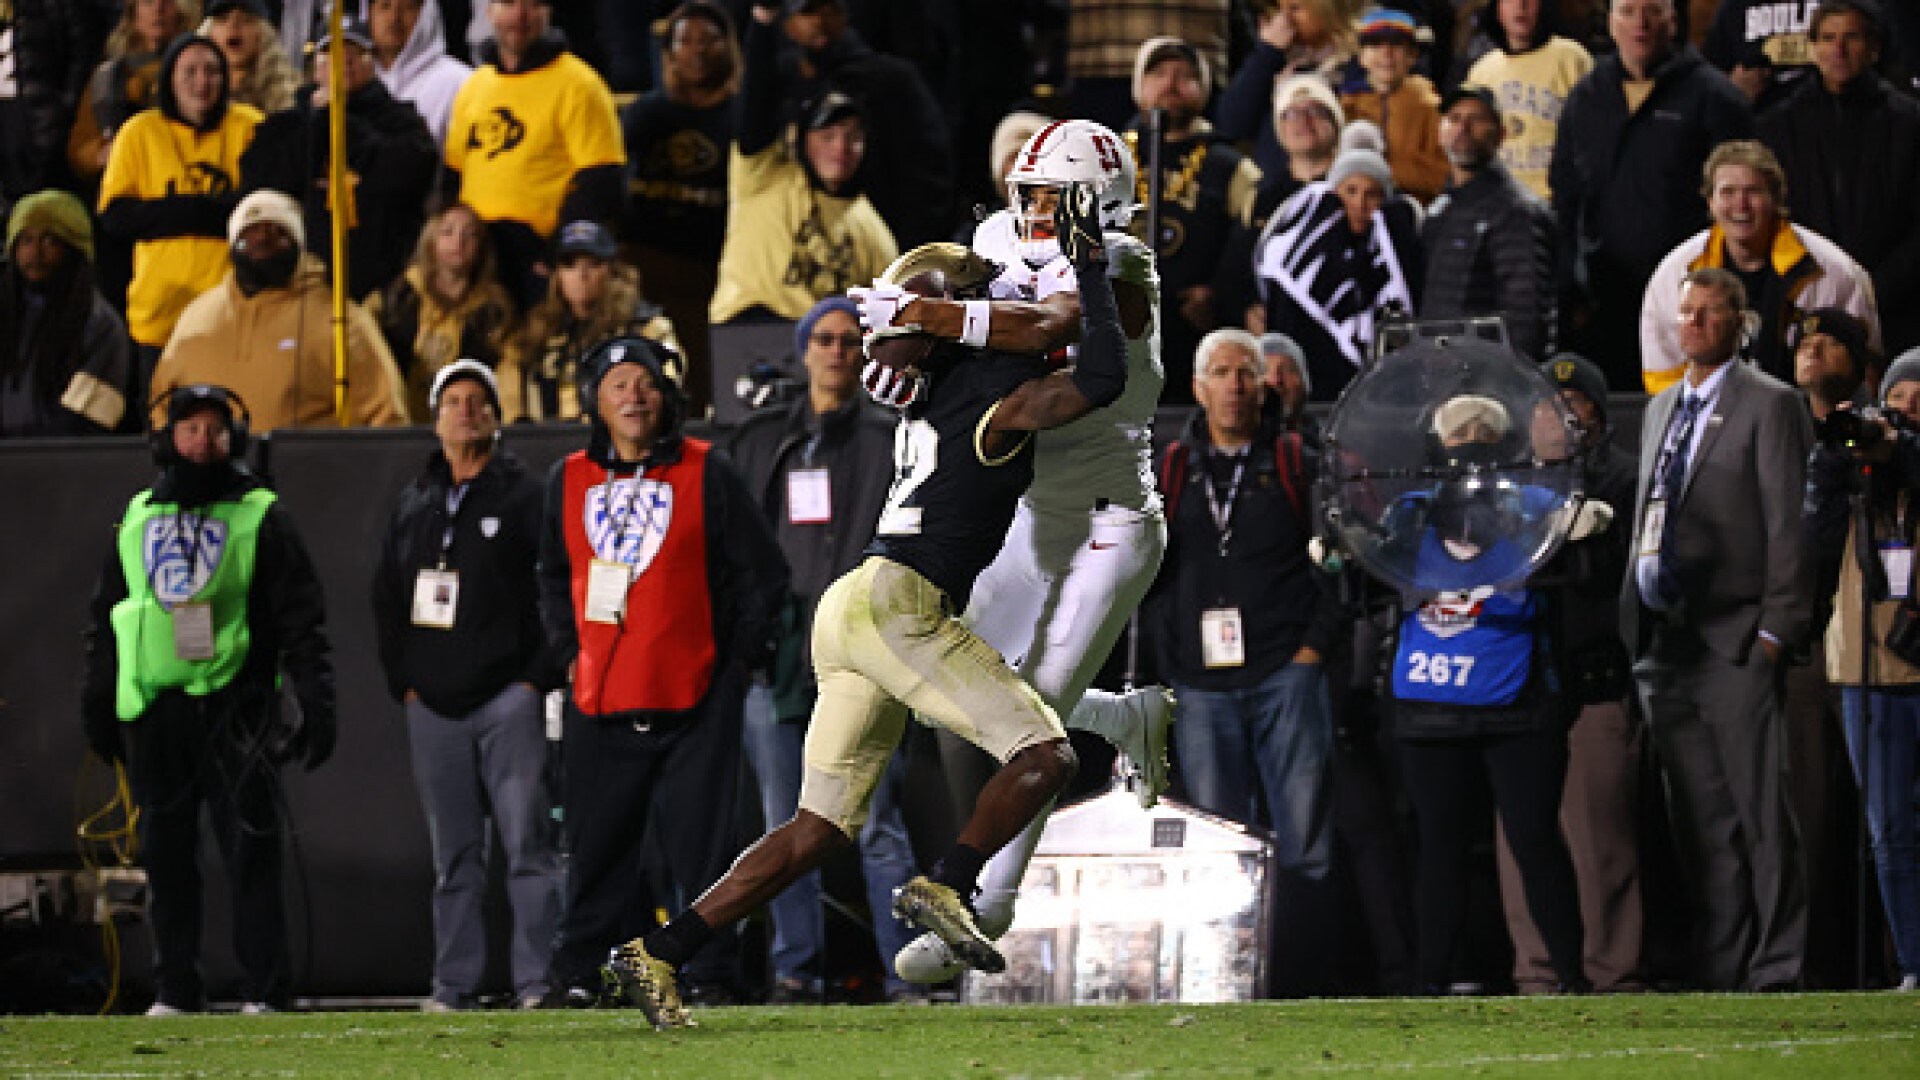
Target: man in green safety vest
{"x":207,"y":596}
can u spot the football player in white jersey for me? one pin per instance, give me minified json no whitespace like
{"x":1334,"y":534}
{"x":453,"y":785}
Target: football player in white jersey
{"x":1087,"y":539}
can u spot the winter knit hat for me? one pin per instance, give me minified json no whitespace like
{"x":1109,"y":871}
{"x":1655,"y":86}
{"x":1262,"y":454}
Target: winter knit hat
{"x":1274,"y":346}
{"x":58,"y":213}
{"x":268,"y":205}
{"x":1840,"y":325}
{"x":1360,"y":163}
{"x":1362,"y":135}
{"x":1315,"y":89}
{"x":472,"y":370}
{"x":804,"y":328}
{"x":1905,"y":368}
{"x":1156,"y":49}
{"x":1571,"y":371}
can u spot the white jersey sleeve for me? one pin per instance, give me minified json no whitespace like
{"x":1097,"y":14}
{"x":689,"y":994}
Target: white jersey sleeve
{"x":1108,"y":454}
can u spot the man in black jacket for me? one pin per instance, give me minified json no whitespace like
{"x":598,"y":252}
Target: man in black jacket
{"x":1489,"y":240}
{"x":1850,"y":144}
{"x":391,"y":159}
{"x":910,"y":159}
{"x":207,"y":596}
{"x":457,"y":608}
{"x":1240,"y":617}
{"x":1626,"y":176}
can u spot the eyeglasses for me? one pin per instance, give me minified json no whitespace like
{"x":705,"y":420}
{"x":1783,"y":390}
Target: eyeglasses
{"x":827,"y":340}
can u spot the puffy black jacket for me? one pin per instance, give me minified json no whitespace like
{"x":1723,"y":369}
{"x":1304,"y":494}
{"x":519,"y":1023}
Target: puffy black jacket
{"x":1626,"y":187}
{"x":51,"y":58}
{"x":390,"y":152}
{"x":1853,"y":167}
{"x":1490,"y":245}
{"x":497,"y":637}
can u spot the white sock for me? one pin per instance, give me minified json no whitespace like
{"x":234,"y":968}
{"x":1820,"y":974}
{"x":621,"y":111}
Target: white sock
{"x":1000,"y":878}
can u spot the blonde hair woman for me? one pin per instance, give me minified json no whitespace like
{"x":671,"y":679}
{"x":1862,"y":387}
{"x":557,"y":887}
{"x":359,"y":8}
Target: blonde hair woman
{"x":263,"y":77}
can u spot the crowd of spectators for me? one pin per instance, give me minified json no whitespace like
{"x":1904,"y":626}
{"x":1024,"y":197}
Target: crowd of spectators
{"x":1635,"y":187}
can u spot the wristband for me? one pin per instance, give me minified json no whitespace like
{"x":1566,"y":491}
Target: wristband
{"x":973,"y":331}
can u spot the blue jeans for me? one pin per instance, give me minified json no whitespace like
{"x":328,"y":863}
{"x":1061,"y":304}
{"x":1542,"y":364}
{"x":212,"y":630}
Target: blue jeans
{"x":1273,"y":740}
{"x":1885,"y":765}
{"x":775,"y":749}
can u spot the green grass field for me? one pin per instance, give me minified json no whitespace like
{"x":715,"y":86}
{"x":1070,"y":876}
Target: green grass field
{"x":1853,"y":1035}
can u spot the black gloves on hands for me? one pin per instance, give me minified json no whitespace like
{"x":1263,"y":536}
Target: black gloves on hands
{"x":1076,"y":220}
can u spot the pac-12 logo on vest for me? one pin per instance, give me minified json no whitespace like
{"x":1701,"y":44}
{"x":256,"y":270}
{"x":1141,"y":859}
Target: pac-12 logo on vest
{"x":181,"y":555}
{"x":627,"y":519}
{"x":1452,"y":614}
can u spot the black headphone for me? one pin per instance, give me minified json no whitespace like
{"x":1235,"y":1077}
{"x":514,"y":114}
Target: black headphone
{"x":182,"y":400}
{"x":630,"y":349}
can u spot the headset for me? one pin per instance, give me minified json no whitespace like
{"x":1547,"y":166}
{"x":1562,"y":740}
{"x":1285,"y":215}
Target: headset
{"x":628,"y":349}
{"x":182,"y":400}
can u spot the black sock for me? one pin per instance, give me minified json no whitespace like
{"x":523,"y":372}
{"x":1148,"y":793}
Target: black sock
{"x":677,"y":941}
{"x":959,"y":870}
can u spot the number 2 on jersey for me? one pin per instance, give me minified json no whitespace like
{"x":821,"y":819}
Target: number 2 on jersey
{"x":916,"y":450}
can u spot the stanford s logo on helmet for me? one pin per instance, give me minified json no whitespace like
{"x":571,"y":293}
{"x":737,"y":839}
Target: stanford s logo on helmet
{"x":1068,"y":152}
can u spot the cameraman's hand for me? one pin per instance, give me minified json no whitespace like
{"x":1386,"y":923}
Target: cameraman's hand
{"x":1591,"y":519}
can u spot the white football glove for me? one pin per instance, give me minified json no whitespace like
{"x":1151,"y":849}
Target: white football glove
{"x":890,"y":386}
{"x":1591,"y":519}
{"x":880,"y":305}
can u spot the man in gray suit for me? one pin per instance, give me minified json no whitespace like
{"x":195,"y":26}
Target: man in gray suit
{"x":1717,"y":597}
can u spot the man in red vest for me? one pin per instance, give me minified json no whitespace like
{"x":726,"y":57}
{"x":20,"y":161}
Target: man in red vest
{"x":662,"y":584}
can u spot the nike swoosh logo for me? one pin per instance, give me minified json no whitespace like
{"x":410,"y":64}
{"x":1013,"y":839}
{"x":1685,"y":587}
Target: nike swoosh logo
{"x":1098,"y":546}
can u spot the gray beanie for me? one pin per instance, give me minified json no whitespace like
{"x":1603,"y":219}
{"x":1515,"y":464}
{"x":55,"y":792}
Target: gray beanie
{"x":1363,"y":135}
{"x":1905,"y":368}
{"x":1363,"y":163}
{"x":1276,"y":345}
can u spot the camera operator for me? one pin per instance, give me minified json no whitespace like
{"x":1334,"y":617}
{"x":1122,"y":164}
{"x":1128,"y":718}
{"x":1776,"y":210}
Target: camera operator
{"x":1866,"y":468}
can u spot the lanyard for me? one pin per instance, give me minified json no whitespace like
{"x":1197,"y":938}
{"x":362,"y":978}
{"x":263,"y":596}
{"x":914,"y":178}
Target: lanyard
{"x":456,"y":495}
{"x":619,"y":534}
{"x":1223,"y":512}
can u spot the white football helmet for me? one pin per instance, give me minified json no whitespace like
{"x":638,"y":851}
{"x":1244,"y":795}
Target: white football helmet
{"x":1067,"y":152}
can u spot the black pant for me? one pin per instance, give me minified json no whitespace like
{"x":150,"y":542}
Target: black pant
{"x":186,"y":751}
{"x":1447,"y":780}
{"x":683,"y":775}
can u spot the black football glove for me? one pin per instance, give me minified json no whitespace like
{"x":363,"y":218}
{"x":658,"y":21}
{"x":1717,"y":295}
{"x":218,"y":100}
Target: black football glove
{"x":1076,"y":219}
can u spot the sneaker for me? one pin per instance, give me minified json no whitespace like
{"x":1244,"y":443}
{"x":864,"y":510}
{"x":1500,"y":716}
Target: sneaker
{"x":937,"y":908}
{"x":648,"y":983}
{"x":435,"y":1005}
{"x":1908,"y":984}
{"x":1143,"y":738}
{"x":161,"y":1009}
{"x":257,"y":1008}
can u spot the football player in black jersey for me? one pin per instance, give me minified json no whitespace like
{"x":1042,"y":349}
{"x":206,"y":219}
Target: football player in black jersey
{"x":887,"y":637}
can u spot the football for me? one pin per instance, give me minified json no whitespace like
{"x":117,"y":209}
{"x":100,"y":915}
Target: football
{"x":900,"y":348}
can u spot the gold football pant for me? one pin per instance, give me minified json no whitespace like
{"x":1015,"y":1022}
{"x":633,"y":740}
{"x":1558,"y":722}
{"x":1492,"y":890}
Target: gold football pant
{"x":885,"y":640}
